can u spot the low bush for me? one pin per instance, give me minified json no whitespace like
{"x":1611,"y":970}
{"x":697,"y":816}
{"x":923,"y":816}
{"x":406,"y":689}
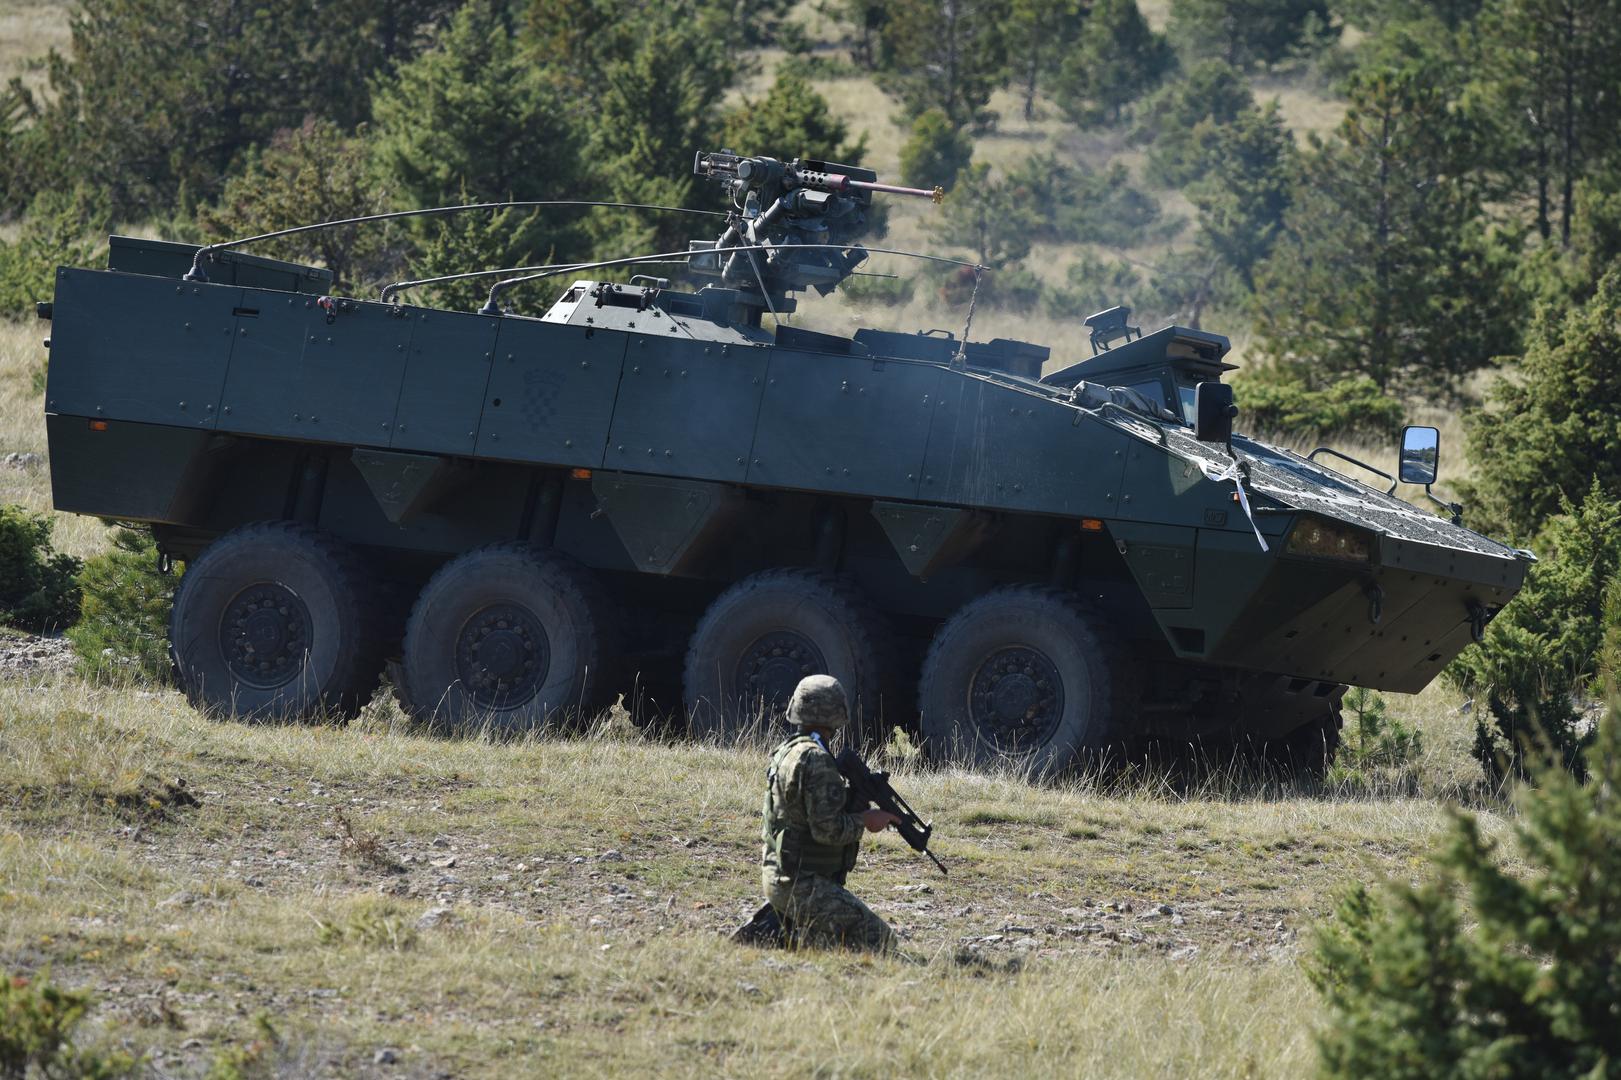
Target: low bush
{"x":936,"y":151}
{"x":56,"y":231}
{"x":1483,"y":970}
{"x":37,"y":1026}
{"x":38,"y":591}
{"x":1092,"y":285}
{"x":122,"y":632}
{"x":1373,"y":738}
{"x":1278,"y":400}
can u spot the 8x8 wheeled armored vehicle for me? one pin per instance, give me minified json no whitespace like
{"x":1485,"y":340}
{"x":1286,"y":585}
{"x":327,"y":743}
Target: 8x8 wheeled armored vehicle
{"x":528,"y":513}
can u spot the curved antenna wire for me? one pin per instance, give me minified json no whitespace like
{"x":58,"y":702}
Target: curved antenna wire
{"x":399,"y":286}
{"x":668,"y":256}
{"x":496,"y":289}
{"x":196,"y":271}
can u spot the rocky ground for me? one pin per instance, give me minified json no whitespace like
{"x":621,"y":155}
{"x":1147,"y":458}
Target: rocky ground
{"x":24,"y":655}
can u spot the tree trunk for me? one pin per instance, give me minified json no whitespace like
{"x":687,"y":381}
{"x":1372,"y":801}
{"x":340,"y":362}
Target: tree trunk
{"x":1569,"y":164}
{"x":1030,"y":81}
{"x":1379,"y":357}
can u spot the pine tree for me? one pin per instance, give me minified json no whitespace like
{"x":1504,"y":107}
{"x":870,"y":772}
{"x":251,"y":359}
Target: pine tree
{"x":473,"y":113}
{"x":473,"y":120}
{"x":1385,"y":267}
{"x":1246,"y":33}
{"x":792,"y":120}
{"x":1541,"y":652}
{"x":989,"y":219}
{"x":653,"y":107}
{"x":1548,"y":71}
{"x":1553,"y":430}
{"x":1527,"y":984}
{"x":944,"y":54}
{"x":310,"y":170}
{"x":936,"y":152}
{"x":1040,"y":34}
{"x":1181,"y":115}
{"x":156,"y":98}
{"x":1244,"y":189}
{"x":866,"y":19}
{"x":1118,"y":59}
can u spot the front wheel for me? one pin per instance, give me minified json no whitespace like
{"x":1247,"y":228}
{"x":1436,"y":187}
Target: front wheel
{"x":277,"y":621}
{"x":1025,"y":675}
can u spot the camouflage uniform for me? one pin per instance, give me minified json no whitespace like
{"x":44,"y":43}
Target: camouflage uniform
{"x":810,"y":836}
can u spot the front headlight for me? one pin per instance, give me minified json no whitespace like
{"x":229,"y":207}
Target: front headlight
{"x":1329,"y":540}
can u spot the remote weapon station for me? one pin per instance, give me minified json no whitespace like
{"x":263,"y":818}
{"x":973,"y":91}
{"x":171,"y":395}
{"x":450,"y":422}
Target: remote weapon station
{"x":681,"y":497}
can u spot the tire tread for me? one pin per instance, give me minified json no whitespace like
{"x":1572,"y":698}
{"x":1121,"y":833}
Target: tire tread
{"x":352,"y":580}
{"x":571,"y":580}
{"x":870,"y":632}
{"x":1125,"y":675}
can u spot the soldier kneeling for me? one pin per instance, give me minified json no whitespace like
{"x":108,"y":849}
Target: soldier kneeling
{"x":811,"y":838}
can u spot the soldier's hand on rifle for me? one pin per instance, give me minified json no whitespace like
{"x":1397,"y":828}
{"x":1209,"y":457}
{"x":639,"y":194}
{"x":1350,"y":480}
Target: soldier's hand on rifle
{"x":878,"y":820}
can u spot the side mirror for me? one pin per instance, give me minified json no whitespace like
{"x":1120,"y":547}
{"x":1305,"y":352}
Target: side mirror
{"x":1420,"y":455}
{"x":1213,"y":412}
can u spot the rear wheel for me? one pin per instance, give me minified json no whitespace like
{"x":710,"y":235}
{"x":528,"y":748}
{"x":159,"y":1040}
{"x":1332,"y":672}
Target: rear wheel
{"x":767,"y":632}
{"x":277,"y":621}
{"x":510,"y":634}
{"x":1026,"y":675}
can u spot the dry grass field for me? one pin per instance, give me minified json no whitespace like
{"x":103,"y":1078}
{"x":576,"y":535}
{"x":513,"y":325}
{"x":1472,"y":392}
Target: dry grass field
{"x":28,"y":30}
{"x":559,"y":904}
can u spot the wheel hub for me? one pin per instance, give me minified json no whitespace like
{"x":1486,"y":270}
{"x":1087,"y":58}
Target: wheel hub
{"x":1016,"y":698}
{"x":772,"y":666}
{"x":265,"y":634}
{"x":502,"y":656}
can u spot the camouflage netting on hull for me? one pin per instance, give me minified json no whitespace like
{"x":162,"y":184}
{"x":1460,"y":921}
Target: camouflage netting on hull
{"x":1300,"y":483}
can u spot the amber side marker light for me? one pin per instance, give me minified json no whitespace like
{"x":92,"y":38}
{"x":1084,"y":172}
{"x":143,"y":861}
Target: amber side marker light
{"x":580,"y":474}
{"x":1091,"y":525}
{"x":98,"y":425}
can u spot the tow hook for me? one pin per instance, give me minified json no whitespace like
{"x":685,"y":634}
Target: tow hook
{"x":1477,"y":621}
{"x":1376,"y":602}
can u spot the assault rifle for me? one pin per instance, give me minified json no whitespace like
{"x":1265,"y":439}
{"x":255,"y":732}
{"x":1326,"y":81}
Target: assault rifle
{"x":869,"y":788}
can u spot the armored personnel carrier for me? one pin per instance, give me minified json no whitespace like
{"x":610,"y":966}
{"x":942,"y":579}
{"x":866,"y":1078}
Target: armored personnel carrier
{"x":1016,"y":553}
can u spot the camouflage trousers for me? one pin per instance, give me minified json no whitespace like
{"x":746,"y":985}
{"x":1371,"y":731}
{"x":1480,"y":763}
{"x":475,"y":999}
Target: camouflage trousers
{"x":821,"y":913}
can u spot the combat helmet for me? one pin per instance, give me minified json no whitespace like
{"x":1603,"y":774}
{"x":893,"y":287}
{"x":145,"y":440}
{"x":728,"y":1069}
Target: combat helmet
{"x":819,"y":701}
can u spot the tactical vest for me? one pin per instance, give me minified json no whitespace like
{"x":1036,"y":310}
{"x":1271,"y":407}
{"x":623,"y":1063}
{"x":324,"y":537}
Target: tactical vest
{"x":789,"y":845}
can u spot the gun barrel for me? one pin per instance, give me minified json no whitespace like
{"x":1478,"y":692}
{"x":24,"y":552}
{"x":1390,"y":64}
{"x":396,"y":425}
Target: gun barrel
{"x":937,"y":194}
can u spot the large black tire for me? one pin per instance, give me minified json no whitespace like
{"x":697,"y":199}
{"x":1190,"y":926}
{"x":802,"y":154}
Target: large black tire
{"x":1029,"y":676}
{"x":512,"y":635}
{"x":768,"y":631}
{"x":277,"y":621}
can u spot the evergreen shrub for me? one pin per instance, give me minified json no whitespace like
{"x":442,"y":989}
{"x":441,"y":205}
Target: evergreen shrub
{"x":1484,"y":968}
{"x":123,"y":629}
{"x":38,"y":592}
